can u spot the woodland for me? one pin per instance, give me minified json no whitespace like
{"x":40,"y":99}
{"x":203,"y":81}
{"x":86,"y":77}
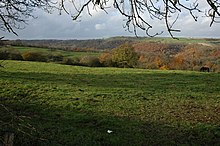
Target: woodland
{"x":151,"y":53}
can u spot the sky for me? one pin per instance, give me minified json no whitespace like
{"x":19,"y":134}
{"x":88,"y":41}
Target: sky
{"x":102,"y":25}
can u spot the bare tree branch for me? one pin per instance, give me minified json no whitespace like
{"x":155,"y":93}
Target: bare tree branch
{"x":139,"y":14}
{"x":214,"y":10}
{"x":14,"y":14}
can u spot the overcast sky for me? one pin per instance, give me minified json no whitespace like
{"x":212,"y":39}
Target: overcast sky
{"x":102,"y":25}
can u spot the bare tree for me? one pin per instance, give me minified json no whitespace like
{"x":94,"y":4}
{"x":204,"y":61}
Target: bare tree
{"x":138,"y":13}
{"x":14,"y":14}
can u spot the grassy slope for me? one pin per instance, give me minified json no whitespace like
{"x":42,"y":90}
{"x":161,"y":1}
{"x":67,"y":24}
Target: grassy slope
{"x":68,"y":105}
{"x":168,"y":40}
{"x":68,"y":54}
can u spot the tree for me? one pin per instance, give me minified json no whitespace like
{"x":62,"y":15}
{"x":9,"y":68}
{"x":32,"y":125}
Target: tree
{"x":125,"y":56}
{"x":34,"y":56}
{"x":90,"y":61}
{"x":106,"y":59}
{"x":139,"y":12}
{"x":14,"y":13}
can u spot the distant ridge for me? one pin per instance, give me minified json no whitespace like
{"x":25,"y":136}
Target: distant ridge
{"x":99,"y":44}
{"x":108,"y":43}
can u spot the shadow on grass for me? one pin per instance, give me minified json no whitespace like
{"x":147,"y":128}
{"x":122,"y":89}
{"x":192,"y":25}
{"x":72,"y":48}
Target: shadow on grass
{"x":121,"y":80}
{"x":37,"y":124}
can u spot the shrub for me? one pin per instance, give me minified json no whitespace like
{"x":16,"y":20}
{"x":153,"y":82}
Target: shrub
{"x":10,"y":54}
{"x":106,"y":59}
{"x":76,"y":61}
{"x":34,"y":56}
{"x":4,"y":54}
{"x":55,"y":57}
{"x":15,"y":56}
{"x":71,"y":61}
{"x":125,"y":56}
{"x":68,"y":61}
{"x":90,"y":61}
{"x":164,"y":67}
{"x":216,"y":68}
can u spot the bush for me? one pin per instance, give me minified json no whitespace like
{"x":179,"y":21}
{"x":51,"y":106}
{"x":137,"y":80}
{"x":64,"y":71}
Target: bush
{"x":164,"y":67}
{"x":106,"y":60}
{"x":71,"y":61}
{"x":125,"y":56}
{"x":90,"y":61}
{"x":34,"y":56}
{"x":55,"y":58}
{"x":10,"y":54}
{"x":15,"y":56}
{"x":4,"y":54}
{"x":68,"y":61}
{"x":76,"y":61}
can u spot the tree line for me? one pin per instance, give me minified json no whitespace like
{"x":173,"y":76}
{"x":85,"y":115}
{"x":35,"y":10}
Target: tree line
{"x":134,"y":55}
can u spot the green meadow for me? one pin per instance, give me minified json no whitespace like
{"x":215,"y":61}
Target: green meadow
{"x":57,"y":105}
{"x":69,"y":54}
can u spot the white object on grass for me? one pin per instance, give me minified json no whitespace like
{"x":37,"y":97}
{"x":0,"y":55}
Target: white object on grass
{"x":109,"y":131}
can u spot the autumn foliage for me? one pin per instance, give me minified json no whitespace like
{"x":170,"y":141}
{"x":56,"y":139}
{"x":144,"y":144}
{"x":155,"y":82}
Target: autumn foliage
{"x":124,"y":56}
{"x":163,"y":56}
{"x":34,"y":56}
{"x":135,"y":54}
{"x":90,"y":61}
{"x":106,"y":59}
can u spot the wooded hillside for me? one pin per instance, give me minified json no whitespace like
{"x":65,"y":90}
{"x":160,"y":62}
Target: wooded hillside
{"x":154,"y":53}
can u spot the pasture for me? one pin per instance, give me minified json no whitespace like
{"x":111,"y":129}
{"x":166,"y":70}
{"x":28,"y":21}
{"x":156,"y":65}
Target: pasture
{"x":69,"y":54}
{"x":53,"y":104}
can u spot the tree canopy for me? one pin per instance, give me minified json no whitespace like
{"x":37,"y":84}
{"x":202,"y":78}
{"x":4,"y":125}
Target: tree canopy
{"x":138,"y":13}
{"x":124,"y":56}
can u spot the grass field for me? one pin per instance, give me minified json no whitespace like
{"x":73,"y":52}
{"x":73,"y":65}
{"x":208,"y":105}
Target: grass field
{"x":182,"y":40}
{"x":69,"y":54}
{"x":52,"y":104}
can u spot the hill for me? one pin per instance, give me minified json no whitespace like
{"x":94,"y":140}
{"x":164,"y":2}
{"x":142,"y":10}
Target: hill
{"x":154,"y":53}
{"x":109,"y":43}
{"x":94,"y":44}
